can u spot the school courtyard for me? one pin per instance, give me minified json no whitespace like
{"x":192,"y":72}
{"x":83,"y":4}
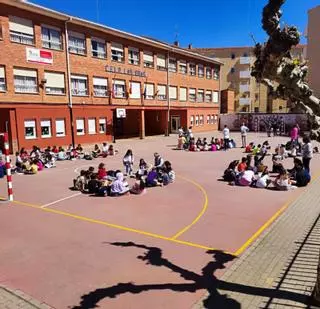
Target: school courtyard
{"x":197,"y":243}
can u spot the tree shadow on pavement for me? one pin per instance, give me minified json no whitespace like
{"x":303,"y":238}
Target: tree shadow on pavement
{"x":204,"y":281}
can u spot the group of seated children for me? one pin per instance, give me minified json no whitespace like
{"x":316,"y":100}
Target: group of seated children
{"x":36,"y":159}
{"x":245,"y":173}
{"x":106,"y":150}
{"x":202,"y":144}
{"x":113,"y":183}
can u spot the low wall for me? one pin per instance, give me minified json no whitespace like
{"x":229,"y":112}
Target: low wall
{"x":259,"y":122}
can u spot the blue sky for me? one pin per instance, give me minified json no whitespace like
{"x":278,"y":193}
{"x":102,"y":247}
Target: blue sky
{"x":204,"y":23}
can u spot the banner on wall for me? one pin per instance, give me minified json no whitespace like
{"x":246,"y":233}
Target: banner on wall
{"x":36,"y":55}
{"x":121,"y":113}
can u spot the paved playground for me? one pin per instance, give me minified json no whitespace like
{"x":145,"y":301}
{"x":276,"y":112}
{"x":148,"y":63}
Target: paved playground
{"x":158,"y":250}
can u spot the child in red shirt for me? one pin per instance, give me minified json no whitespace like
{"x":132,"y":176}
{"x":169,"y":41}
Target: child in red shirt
{"x":243,"y":165}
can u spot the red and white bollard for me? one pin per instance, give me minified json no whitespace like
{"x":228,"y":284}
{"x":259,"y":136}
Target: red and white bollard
{"x":8,"y":166}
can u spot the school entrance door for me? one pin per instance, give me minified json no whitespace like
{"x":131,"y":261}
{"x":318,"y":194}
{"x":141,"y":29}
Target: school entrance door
{"x":175,"y":124}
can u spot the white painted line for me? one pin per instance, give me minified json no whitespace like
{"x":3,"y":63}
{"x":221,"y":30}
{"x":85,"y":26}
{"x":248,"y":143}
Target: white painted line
{"x":62,"y":199}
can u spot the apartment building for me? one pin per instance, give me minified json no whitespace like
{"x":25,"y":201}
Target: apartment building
{"x":314,"y":49}
{"x":250,"y":96}
{"x":67,"y":80}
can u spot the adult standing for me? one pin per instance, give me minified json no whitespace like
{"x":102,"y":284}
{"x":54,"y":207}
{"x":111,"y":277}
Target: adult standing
{"x":226,"y":137}
{"x":244,"y":130}
{"x":307,"y":153}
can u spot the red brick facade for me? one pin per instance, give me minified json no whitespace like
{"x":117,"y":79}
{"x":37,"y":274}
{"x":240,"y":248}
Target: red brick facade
{"x":144,"y":116}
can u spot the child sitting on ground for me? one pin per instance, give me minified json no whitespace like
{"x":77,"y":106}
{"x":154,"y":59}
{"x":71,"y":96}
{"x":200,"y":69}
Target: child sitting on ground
{"x":119,"y":186}
{"x":112,"y":151}
{"x":93,"y":184}
{"x":283,"y":182}
{"x":33,"y":169}
{"x":249,"y":148}
{"x":139,"y":187}
{"x":152,"y":178}
{"x":80,"y":182}
{"x":243,"y":165}
{"x":263,"y":179}
{"x":96,"y":152}
{"x":230,"y":173}
{"x":102,"y":173}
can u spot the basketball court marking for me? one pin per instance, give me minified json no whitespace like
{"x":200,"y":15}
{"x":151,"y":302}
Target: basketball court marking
{"x":60,"y":200}
{"x":272,"y":219}
{"x":116,"y":226}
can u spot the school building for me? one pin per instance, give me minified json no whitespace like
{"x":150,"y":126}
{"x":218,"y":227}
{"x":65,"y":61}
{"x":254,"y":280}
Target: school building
{"x":66,"y":80}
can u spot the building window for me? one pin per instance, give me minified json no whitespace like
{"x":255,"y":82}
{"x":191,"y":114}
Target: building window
{"x":245,"y":55}
{"x":208,"y":73}
{"x":162,"y":93}
{"x":197,"y":120}
{"x":208,"y":96}
{"x":200,"y":95}
{"x":92,"y":125}
{"x":200,"y":71}
{"x":51,"y":38}
{"x":182,"y":67}
{"x":98,"y":48}
{"x":119,"y":88}
{"x":30,"y":129}
{"x":133,"y":55}
{"x":280,"y":109}
{"x":55,"y":83}
{"x":233,"y":56}
{"x":148,"y":61}
{"x":77,"y":43}
{"x":215,"y":97}
{"x":192,"y":95}
{"x":25,"y":81}
{"x":45,"y":128}
{"x":192,"y":69}
{"x":191,"y":120}
{"x":60,"y":128}
{"x":79,"y":85}
{"x":135,"y":90}
{"x":80,"y":126}
{"x":161,"y":62}
{"x":183,"y":94}
{"x":201,"y":121}
{"x":172,"y":65}
{"x":232,"y":70}
{"x":21,"y":30}
{"x":149,"y":91}
{"x":173,"y":93}
{"x":100,"y":87}
{"x":212,"y":119}
{"x":3,"y":86}
{"x":117,"y":52}
{"x":256,"y":109}
{"x":208,"y":119}
{"x":216,"y":73}
{"x":102,"y":125}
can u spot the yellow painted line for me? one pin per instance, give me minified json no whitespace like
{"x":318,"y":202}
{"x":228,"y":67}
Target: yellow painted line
{"x":203,"y":210}
{"x":116,"y":226}
{"x":271,"y":220}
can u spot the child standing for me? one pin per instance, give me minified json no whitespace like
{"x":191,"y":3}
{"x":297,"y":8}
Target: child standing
{"x":128,"y":160}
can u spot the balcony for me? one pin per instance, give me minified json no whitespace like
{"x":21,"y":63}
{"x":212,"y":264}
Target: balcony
{"x":245,"y":60}
{"x":244,"y":101}
{"x":245,"y":74}
{"x":244,"y":88}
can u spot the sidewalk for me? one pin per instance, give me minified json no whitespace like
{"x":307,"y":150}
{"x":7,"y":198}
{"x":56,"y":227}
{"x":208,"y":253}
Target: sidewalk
{"x":13,"y":299}
{"x":279,"y":270}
